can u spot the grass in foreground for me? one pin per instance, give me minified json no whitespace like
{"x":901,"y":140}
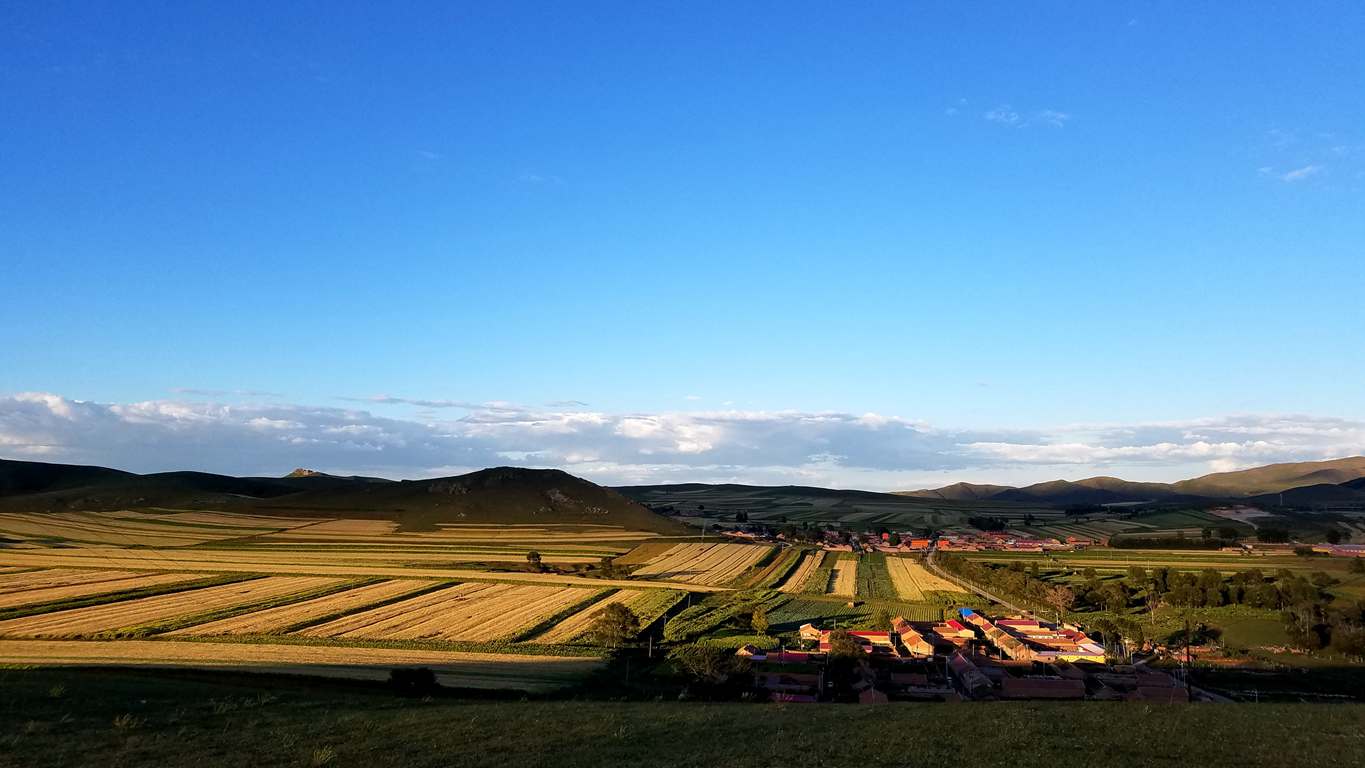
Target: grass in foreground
{"x":120,"y":718}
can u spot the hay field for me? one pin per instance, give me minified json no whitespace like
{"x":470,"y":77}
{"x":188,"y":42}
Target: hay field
{"x":92,"y":620}
{"x":231,"y":561}
{"x":648,"y":605}
{"x":913,"y":581}
{"x":810,"y":562}
{"x":704,"y":563}
{"x":87,"y":588}
{"x":843,"y":579}
{"x":23,"y":581}
{"x":453,"y":668}
{"x":282,"y":617}
{"x":111,"y":529}
{"x":469,"y":612}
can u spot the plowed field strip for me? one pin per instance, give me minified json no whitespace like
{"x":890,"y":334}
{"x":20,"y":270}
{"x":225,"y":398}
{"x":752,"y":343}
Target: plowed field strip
{"x":234,"y":562}
{"x":284,"y":616}
{"x":132,"y":613}
{"x":456,"y":669}
{"x":53,"y":594}
{"x":797,"y":581}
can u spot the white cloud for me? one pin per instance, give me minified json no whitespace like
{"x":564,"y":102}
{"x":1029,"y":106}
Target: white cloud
{"x":1299,"y":174}
{"x":1052,"y":117}
{"x":1007,"y":115}
{"x":1003,"y":115}
{"x":868,"y":450}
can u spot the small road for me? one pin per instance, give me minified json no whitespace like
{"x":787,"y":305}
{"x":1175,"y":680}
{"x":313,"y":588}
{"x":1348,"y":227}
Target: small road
{"x":931,"y":565}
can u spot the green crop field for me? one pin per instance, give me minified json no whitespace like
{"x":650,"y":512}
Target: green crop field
{"x":63,"y":718}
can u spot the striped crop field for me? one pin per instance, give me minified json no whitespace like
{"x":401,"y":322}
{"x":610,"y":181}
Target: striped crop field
{"x":914,"y":582}
{"x":24,"y":581}
{"x":647,"y":605}
{"x":470,"y":612}
{"x":452,"y":668}
{"x":129,"y":614}
{"x":108,"y":529}
{"x":283,"y":617}
{"x":843,"y":580}
{"x":796,"y":582}
{"x":704,"y":563}
{"x":87,"y":588}
{"x":234,"y":561}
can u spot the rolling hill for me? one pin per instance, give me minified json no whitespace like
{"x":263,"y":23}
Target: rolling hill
{"x":1242,"y":484}
{"x":499,"y":495}
{"x":958,"y":492}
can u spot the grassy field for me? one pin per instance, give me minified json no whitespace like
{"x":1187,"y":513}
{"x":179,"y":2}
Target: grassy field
{"x":62,"y":718}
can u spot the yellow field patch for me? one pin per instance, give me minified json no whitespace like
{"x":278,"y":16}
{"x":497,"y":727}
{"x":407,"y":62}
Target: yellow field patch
{"x":137,"y":559}
{"x":913,"y":581}
{"x":100,"y":587}
{"x":452,"y":668}
{"x":844,"y":578}
{"x":473,"y":612}
{"x":283,"y":616}
{"x":810,"y":562}
{"x":94,"y":619}
{"x":703,"y":563}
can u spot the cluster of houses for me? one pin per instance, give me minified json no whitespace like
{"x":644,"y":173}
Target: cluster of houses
{"x":1010,"y":541}
{"x":835,"y":540}
{"x":969,"y":656}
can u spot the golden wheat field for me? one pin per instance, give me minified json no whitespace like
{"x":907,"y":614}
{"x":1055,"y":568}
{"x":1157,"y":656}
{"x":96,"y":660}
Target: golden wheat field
{"x":452,"y":668}
{"x":796,"y":582}
{"x":843,"y":580}
{"x":469,"y":612}
{"x":109,"y":617}
{"x":186,"y":588}
{"x":647,"y":605}
{"x":283,"y":617}
{"x":711,"y":564}
{"x":86,"y":588}
{"x":913,"y":581}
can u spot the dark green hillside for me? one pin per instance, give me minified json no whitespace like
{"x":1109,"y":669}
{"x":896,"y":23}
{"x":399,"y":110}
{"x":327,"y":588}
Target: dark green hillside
{"x":498,"y":495}
{"x":958,"y":492}
{"x":52,"y":718}
{"x":18,"y":477}
{"x":802,"y":504}
{"x":1274,"y":478}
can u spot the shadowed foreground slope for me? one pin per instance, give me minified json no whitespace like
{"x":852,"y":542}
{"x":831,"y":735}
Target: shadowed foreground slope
{"x":51,"y":718}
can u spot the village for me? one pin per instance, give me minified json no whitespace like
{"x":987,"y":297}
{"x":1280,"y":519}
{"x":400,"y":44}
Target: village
{"x":970,"y":657}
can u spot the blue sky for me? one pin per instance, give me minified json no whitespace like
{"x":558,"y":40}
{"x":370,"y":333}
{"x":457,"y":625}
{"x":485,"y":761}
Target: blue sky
{"x":1035,"y":223}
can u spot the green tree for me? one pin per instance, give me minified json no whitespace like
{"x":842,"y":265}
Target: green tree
{"x":608,"y":567}
{"x":533,"y":560}
{"x":707,"y":663}
{"x":881,"y":620}
{"x":758,"y":622}
{"x":1061,"y":598}
{"x":614,"y":625}
{"x":843,"y":646}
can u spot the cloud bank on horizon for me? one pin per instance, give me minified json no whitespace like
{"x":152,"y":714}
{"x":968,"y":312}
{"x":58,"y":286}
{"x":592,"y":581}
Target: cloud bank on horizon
{"x":868,"y":450}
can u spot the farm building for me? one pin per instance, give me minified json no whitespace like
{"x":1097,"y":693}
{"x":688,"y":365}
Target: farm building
{"x":911,"y":639}
{"x":968,"y":676}
{"x":871,"y":642}
{"x":1034,"y":640}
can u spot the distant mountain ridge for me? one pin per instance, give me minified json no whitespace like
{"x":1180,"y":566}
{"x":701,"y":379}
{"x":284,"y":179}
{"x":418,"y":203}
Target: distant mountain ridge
{"x":1336,"y":480}
{"x":509,"y":495}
